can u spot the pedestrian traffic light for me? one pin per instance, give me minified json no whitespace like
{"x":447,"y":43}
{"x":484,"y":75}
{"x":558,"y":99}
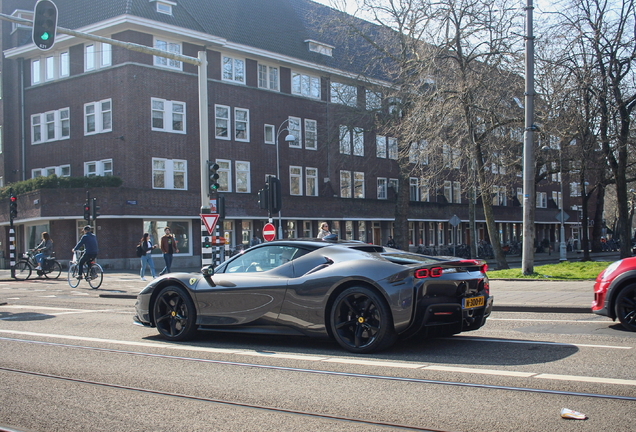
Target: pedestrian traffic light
{"x":87,"y":212}
{"x":275,"y":192}
{"x":95,"y":209}
{"x":263,"y":198}
{"x":44,"y":24}
{"x":213,"y":176}
{"x":13,"y":206}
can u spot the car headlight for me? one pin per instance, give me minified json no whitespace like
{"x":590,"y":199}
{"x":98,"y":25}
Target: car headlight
{"x":610,"y":269}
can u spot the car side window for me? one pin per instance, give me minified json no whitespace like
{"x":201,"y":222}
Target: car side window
{"x":262,"y":259}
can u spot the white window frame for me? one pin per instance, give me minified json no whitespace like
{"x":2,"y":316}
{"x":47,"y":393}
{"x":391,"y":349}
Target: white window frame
{"x":448,"y":191}
{"x":295,"y":179}
{"x":345,"y":140}
{"x":414,"y":189}
{"x":36,"y":71}
{"x":382,"y":188}
{"x":65,"y":64}
{"x":164,"y":7}
{"x":58,"y":171}
{"x":272,"y":133}
{"x":225,"y":173}
{"x":89,"y":56}
{"x":345,"y":189}
{"x":58,"y":126}
{"x":265,"y":79}
{"x":575,"y":189}
{"x":311,"y":177}
{"x":227,"y":119}
{"x":169,"y":173}
{"x":294,"y":125}
{"x":244,"y":121}
{"x":542,"y":200}
{"x":307,"y":84}
{"x":424,"y":191}
{"x":100,"y":114}
{"x":343,"y":94}
{"x":101,"y":168}
{"x":243,"y":170}
{"x":232,"y":76}
{"x":168,"y":46}
{"x":380,"y":146}
{"x":311,"y":134}
{"x":358,"y":185}
{"x":97,"y":55}
{"x":168,"y":115}
{"x":457,"y":192}
{"x":392,"y":148}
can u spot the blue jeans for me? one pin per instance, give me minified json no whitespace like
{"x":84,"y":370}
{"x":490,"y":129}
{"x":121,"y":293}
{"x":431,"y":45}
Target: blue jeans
{"x":147,"y":260}
{"x":167,"y":257}
{"x":39,"y":258}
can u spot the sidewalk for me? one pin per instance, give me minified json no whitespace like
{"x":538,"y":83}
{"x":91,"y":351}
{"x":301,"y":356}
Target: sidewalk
{"x":510,"y":295}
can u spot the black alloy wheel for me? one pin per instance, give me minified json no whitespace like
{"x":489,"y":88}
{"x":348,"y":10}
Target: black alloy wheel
{"x":361,"y":321}
{"x":174,"y":314}
{"x":625,"y":307}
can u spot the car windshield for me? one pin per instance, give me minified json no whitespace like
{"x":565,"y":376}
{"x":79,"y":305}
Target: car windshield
{"x":410,"y":258}
{"x":262,"y":259}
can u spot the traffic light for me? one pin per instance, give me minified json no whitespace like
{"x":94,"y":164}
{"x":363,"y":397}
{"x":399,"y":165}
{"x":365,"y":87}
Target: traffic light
{"x":275,"y":192}
{"x":95,"y":209}
{"x":13,"y":206}
{"x":213,"y":175}
{"x":263,"y":198}
{"x":220,"y":206}
{"x":44,"y":24}
{"x":87,"y":211}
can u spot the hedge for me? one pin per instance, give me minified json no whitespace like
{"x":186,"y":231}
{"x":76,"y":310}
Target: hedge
{"x":55,"y":182}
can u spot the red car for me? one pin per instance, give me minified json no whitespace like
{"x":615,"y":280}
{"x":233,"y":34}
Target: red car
{"x":615,"y":292}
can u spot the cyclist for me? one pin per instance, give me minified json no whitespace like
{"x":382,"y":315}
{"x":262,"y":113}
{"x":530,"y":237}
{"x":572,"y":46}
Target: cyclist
{"x":89,"y":241}
{"x":45,"y":247}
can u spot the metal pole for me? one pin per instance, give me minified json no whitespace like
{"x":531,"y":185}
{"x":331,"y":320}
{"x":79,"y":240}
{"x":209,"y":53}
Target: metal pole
{"x":527,"y":260}
{"x":563,"y":255}
{"x":280,"y":223}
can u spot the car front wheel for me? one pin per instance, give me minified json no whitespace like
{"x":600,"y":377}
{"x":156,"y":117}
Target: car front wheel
{"x":174,"y":314}
{"x":625,"y":307}
{"x":361,"y":321}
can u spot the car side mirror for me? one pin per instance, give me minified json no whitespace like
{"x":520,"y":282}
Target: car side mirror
{"x":208,"y":271}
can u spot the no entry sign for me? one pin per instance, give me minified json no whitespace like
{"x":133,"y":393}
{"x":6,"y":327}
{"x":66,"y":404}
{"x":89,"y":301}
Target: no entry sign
{"x":269,"y":232}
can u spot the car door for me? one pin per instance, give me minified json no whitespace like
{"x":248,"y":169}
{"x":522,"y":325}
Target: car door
{"x":246,"y":290}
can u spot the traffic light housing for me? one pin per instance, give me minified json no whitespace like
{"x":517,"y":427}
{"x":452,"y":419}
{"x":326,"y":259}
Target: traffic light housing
{"x":275,"y":192}
{"x":87,"y":212}
{"x":213,"y":176}
{"x":13,"y":206}
{"x":263,"y":199}
{"x":220,"y":206}
{"x":95,"y":209}
{"x":44,"y":24}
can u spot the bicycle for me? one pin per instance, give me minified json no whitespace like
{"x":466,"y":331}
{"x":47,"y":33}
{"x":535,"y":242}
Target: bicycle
{"x":94,"y":276}
{"x":51,"y":269}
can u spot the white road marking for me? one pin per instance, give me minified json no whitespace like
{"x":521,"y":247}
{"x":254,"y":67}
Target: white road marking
{"x":515,"y":341}
{"x":600,"y":320}
{"x":405,"y":365}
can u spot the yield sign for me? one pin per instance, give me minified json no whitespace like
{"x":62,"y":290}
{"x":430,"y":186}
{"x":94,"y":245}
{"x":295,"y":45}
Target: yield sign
{"x":210,"y":221}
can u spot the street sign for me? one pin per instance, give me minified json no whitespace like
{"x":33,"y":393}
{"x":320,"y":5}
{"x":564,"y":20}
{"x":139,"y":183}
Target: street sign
{"x":269,"y":232}
{"x":454,"y":221}
{"x":210,"y":221}
{"x":565,"y":216}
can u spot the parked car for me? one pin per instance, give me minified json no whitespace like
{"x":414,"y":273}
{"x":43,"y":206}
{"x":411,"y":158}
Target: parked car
{"x":615,"y":293}
{"x":364,"y":296}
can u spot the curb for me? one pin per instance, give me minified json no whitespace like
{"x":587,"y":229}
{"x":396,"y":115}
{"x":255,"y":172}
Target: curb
{"x":543,"y":309}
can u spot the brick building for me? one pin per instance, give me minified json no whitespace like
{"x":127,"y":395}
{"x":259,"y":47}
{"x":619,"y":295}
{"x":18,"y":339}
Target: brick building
{"x":93,"y":109}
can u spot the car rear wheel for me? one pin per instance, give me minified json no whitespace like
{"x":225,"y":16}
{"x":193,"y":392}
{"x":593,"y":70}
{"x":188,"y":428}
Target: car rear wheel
{"x":625,"y":307}
{"x":361,"y":321}
{"x":174,"y":314}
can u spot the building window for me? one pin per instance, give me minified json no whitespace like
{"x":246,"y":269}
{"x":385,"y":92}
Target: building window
{"x":106,"y":58}
{"x":502,"y":196}
{"x":98,"y":117}
{"x":165,"y":8}
{"x":295,"y":180}
{"x":97,"y":55}
{"x":60,"y":171}
{"x":380,"y":146}
{"x":575,"y":189}
{"x":424,"y":195}
{"x":345,"y":140}
{"x":457,"y":192}
{"x":374,"y":100}
{"x":64,"y":64}
{"x":169,"y":174}
{"x":446,"y":156}
{"x":241,"y":124}
{"x":393,"y":148}
{"x":305,"y":85}
{"x":542,"y":200}
{"x":293,"y":128}
{"x":243,"y":177}
{"x":49,"y":66}
{"x":270,"y":134}
{"x":180,"y":230}
{"x":268,"y":77}
{"x":358,"y":185}
{"x":393,"y":183}
{"x":233,"y":69}
{"x":222,"y":121}
{"x":98,"y":168}
{"x":320,"y":48}
{"x":171,"y":47}
{"x":345,"y":184}
{"x":307,"y":229}
{"x":35,"y":72}
{"x":382,"y":188}
{"x":358,"y":141}
{"x":89,"y":57}
{"x":520,"y":196}
{"x":168,"y":116}
{"x":448,"y":191}
{"x":344,"y":94}
{"x":50,"y":126}
{"x":413,"y":189}
{"x":311,"y":134}
{"x":311,"y":181}
{"x":225,"y":175}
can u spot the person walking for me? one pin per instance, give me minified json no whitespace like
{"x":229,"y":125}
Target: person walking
{"x":255,"y":240}
{"x":89,"y":241}
{"x":324,"y":230}
{"x":391,"y":242}
{"x":168,"y":246}
{"x":146,"y":257}
{"x":45,"y":248}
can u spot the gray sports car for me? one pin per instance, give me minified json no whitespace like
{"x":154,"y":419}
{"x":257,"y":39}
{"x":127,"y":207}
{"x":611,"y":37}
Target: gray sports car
{"x":364,"y":296}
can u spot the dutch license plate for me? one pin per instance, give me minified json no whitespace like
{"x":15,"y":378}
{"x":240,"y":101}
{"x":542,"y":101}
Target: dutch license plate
{"x":474,"y":302}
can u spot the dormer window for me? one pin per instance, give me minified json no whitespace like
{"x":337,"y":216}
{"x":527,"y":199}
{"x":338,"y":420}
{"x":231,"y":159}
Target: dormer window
{"x":24,"y":14}
{"x":164,"y":6}
{"x":320,"y":48}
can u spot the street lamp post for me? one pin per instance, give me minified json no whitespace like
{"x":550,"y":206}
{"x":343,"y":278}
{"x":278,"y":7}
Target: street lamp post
{"x":288,"y":138}
{"x":563,"y":256}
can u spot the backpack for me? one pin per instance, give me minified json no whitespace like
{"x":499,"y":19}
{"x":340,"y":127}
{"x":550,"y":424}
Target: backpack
{"x":140,"y":250}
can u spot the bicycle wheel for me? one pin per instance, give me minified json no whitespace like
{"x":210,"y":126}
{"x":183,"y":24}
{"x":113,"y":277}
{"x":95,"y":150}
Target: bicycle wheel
{"x":22,"y":270}
{"x":96,"y":276}
{"x":73,"y":281}
{"x":53,"y":270}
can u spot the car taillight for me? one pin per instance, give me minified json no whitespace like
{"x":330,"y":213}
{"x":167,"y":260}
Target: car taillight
{"x":424,"y":273}
{"x":484,"y":268}
{"x":473,"y":263}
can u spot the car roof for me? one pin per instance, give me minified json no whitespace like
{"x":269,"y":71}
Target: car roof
{"x":307,"y":241}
